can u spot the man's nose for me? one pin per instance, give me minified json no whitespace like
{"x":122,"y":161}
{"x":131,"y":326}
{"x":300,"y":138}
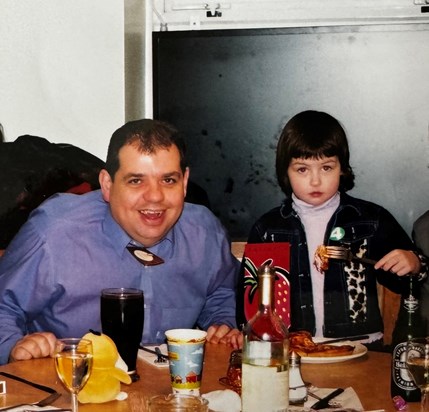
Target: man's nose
{"x":154,"y":192}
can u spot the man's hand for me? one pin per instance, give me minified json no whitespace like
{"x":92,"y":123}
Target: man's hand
{"x":36,"y":345}
{"x":401,"y":262}
{"x":225,"y":335}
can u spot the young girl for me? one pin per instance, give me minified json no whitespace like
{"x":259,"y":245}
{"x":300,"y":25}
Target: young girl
{"x":313,"y":171}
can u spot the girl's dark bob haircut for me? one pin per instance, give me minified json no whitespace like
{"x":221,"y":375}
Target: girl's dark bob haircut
{"x":312,"y":134}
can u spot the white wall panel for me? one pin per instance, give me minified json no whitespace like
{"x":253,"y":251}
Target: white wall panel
{"x":62,"y":70}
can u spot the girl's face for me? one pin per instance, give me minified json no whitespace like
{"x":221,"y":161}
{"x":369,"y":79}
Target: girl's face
{"x":314,"y":180}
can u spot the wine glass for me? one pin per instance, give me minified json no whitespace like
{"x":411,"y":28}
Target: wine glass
{"x":417,"y":361}
{"x":73,"y":363}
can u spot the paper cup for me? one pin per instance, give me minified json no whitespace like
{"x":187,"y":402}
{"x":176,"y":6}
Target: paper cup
{"x":186,"y":357}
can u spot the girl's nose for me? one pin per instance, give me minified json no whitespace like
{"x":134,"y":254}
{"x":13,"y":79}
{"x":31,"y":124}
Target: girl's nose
{"x":315,"y":179}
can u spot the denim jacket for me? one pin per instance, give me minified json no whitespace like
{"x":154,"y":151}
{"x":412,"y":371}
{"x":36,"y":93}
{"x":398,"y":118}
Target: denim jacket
{"x":350,"y":288}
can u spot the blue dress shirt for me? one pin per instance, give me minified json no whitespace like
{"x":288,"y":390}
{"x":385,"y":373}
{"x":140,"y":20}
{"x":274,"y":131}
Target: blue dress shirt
{"x":71,"y":248}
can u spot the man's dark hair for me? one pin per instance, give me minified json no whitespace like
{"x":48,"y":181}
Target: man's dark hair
{"x":312,"y":134}
{"x":149,"y":136}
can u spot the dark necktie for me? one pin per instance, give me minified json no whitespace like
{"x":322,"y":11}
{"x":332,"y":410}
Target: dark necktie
{"x":144,"y":256}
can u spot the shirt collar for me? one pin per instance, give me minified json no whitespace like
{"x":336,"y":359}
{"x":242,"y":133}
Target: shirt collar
{"x":303,"y":208}
{"x":114,"y":231}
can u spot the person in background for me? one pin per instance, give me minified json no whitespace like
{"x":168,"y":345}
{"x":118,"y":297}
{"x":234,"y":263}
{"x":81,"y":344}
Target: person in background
{"x":73,"y":246}
{"x":313,"y":171}
{"x":420,"y":236}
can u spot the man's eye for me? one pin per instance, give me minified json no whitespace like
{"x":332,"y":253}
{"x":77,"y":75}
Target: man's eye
{"x":134,"y":181}
{"x":169,"y":180}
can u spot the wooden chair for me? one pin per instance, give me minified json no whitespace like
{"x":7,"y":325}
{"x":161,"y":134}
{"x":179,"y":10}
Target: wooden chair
{"x":389,"y":303}
{"x":237,"y":249}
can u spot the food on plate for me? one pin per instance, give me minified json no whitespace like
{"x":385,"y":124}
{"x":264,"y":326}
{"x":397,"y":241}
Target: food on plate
{"x":302,"y":343}
{"x":321,"y":258}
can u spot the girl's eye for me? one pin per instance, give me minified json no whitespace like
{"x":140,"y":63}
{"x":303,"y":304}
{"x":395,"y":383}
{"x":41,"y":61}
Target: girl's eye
{"x":327,"y":168}
{"x":301,"y":170}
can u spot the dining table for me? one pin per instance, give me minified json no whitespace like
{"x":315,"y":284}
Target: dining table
{"x":368,"y":375}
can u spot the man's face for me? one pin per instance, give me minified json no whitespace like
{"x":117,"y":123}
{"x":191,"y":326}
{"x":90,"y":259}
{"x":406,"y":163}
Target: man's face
{"x":147,"y":195}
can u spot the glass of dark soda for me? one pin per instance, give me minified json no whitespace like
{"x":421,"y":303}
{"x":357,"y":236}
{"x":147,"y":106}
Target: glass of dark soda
{"x":122,"y":317}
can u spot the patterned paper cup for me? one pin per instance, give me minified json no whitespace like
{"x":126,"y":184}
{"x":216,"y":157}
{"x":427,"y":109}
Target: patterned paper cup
{"x":186,"y":355}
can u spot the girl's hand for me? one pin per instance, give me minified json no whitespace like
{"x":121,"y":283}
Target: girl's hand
{"x":401,"y":262}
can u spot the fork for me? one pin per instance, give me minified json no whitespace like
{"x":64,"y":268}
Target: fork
{"x":343,"y":253}
{"x":161,"y":357}
{"x":44,"y":402}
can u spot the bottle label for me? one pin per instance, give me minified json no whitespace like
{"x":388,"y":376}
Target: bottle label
{"x":401,"y":376}
{"x":259,"y":350}
{"x":265,"y":388}
{"x":411,"y":304}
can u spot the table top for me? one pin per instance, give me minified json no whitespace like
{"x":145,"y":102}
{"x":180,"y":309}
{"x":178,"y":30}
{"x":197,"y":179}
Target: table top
{"x":369,"y":376}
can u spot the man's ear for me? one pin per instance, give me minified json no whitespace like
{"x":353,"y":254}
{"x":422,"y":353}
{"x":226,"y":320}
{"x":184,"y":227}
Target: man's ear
{"x":105,"y":183}
{"x":185,"y":181}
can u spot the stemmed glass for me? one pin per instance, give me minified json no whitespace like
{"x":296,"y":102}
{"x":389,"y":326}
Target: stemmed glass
{"x":73,"y":363}
{"x":417,"y":362}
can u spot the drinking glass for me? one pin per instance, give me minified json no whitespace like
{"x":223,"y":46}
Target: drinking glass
{"x":122,"y":317}
{"x":417,"y":361}
{"x":177,"y":403}
{"x":73,"y":363}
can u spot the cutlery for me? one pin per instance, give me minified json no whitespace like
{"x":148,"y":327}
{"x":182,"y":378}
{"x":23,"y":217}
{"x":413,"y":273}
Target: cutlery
{"x":48,"y":410}
{"x":332,"y":403}
{"x":343,"y":253}
{"x":154,"y":352}
{"x":324,"y":402}
{"x":27,"y":382}
{"x":160,"y":358}
{"x":347,"y":338}
{"x":54,"y":395}
{"x":44,"y":402}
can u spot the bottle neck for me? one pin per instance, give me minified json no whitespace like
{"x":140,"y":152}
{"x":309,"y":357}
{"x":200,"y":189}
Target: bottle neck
{"x":266,"y":291}
{"x":411,"y":302}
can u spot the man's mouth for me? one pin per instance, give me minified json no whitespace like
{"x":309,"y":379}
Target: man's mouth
{"x":152,"y":214}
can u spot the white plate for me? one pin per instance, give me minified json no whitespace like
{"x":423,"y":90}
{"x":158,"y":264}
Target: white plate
{"x":360,"y":350}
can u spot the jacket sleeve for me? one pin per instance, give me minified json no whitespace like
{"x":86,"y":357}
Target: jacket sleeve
{"x":390,"y":236}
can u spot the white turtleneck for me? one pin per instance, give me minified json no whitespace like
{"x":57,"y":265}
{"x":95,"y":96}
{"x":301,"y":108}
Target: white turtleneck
{"x":315,"y":219}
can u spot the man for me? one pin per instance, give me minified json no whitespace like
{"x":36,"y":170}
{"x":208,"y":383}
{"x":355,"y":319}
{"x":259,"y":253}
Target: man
{"x":73,"y":246}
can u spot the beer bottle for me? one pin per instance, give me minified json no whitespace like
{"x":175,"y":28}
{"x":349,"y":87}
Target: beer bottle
{"x":409,"y":324}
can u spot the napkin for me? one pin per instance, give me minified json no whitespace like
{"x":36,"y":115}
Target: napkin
{"x":150,"y":358}
{"x":229,"y":401}
{"x":348,"y":399}
{"x":223,"y":401}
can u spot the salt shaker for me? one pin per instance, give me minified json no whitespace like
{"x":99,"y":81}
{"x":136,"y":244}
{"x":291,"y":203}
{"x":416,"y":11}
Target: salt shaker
{"x":297,"y":388}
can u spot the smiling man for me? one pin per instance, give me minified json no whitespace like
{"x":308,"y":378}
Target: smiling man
{"x":73,"y":246}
